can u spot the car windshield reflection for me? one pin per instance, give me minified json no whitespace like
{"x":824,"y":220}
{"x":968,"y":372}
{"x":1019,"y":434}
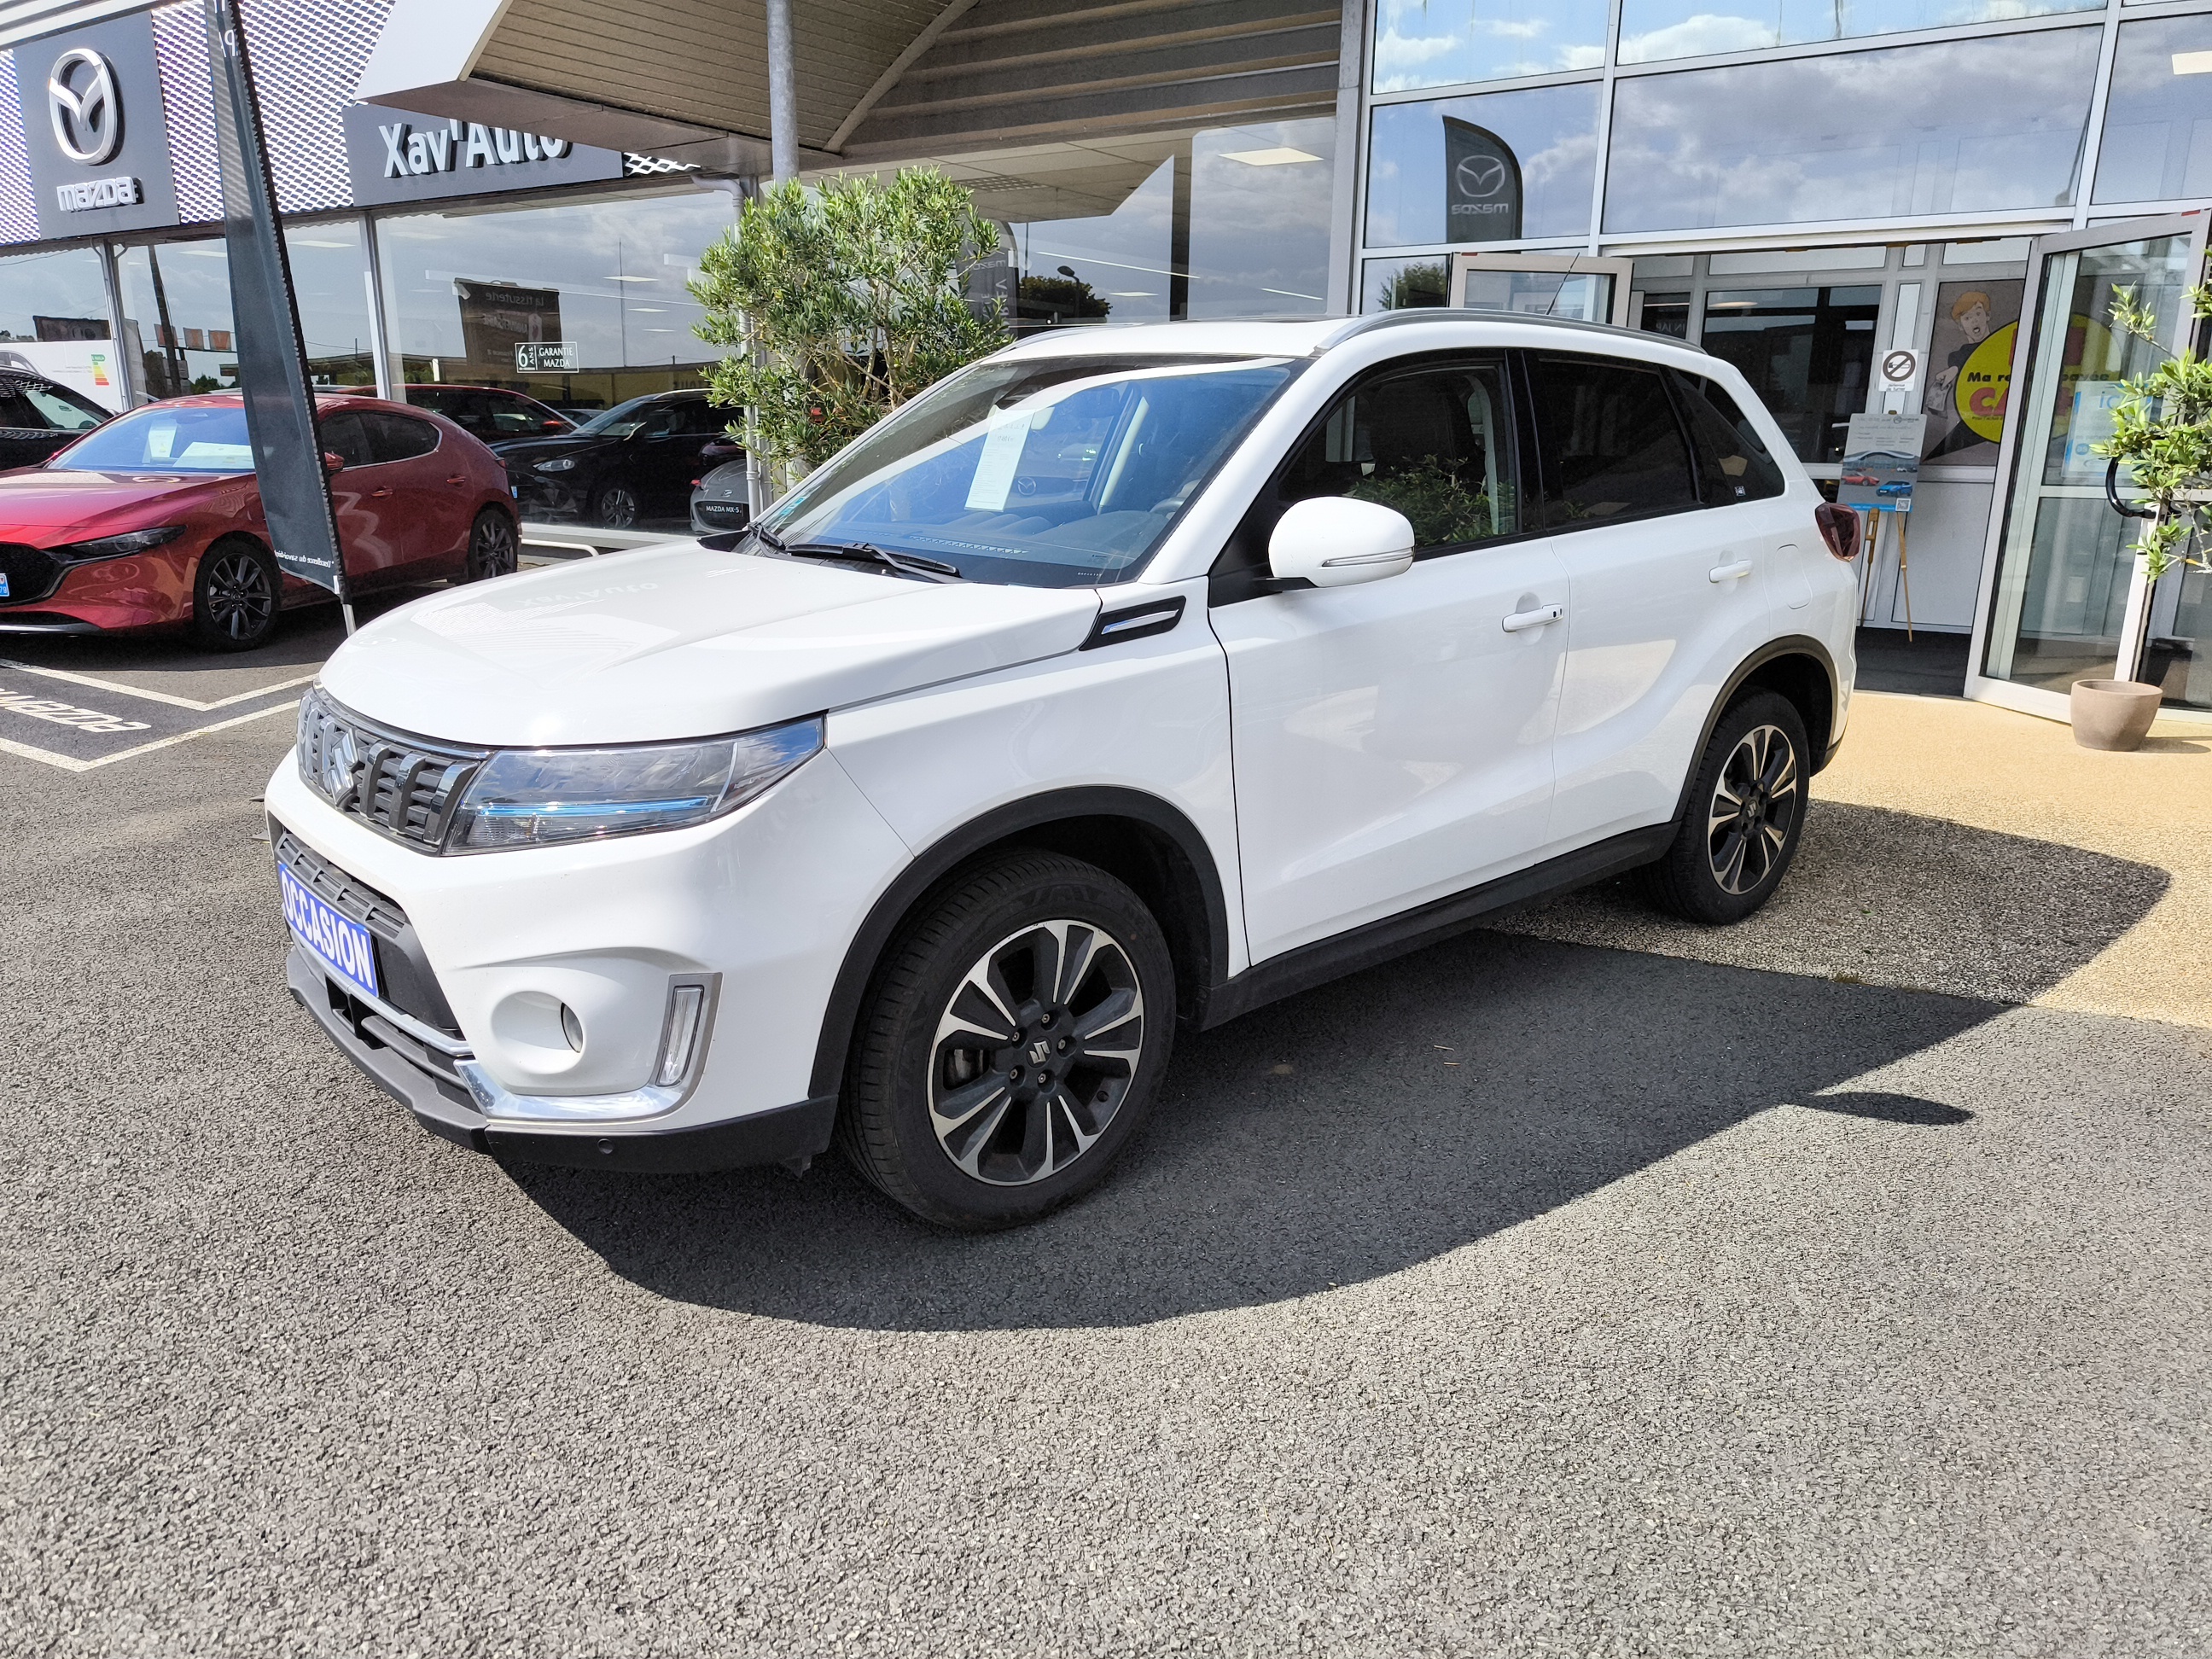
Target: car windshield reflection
{"x":1052,"y":472}
{"x":164,"y":439}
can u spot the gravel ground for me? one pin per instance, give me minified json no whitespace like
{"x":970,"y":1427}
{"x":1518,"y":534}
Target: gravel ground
{"x":1518,"y":1297}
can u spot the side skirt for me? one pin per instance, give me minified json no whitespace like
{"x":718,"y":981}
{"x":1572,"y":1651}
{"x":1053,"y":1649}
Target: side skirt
{"x":1376,"y":942}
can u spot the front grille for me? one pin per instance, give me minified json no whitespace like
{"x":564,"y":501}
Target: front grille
{"x":32,"y":572}
{"x":402,"y":787}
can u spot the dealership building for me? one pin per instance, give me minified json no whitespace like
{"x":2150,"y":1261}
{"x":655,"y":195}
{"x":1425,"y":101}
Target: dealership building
{"x":1922,"y":207}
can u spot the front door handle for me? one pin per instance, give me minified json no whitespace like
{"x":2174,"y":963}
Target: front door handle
{"x":1540,"y":616}
{"x":379,"y":492}
{"x":1729,"y":573}
{"x":458,"y":478}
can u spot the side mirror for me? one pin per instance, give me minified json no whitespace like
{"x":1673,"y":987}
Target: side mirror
{"x":333,"y":462}
{"x":1333,"y":541}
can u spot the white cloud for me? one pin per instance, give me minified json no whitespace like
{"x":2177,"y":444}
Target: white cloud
{"x":1697,"y":37}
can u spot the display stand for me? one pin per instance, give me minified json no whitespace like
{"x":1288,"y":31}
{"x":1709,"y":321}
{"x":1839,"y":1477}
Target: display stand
{"x":1870,"y":577}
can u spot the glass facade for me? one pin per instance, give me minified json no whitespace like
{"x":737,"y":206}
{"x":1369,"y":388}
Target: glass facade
{"x":2158,"y":124}
{"x":1653,"y":30}
{"x":1415,"y":181}
{"x":580,"y":303}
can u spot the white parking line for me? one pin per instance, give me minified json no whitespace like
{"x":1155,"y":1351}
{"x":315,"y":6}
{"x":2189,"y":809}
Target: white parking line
{"x":70,"y":763}
{"x":171,"y":698}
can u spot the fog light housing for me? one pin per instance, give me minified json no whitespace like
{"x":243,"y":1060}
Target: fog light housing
{"x":572,"y":1028}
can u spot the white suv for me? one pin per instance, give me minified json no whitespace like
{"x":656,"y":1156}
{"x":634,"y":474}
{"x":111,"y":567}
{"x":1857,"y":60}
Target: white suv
{"x":1128,"y":680}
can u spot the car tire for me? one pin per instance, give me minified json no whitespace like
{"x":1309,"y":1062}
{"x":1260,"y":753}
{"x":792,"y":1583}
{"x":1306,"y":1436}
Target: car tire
{"x":495,"y":547}
{"x":1744,"y":816}
{"x":237,"y":593}
{"x":614,"y":506}
{"x":1001,"y":1130}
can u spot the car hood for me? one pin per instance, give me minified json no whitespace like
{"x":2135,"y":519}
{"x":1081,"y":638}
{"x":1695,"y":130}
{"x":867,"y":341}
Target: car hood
{"x":47,"y":500}
{"x":515,"y":450}
{"x":681,"y":641}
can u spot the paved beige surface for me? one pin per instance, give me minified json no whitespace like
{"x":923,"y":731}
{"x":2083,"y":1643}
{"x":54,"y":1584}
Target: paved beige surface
{"x":1959,"y":847}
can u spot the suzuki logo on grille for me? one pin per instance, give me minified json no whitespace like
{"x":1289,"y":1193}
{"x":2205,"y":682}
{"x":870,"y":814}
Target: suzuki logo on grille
{"x":341,"y":757}
{"x":1040,"y":1052}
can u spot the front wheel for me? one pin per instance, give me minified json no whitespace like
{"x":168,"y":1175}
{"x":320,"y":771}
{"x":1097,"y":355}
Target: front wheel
{"x":1746,"y":813}
{"x":615,"y":507}
{"x":235,"y":595}
{"x":1012,"y":1043}
{"x":495,"y":549}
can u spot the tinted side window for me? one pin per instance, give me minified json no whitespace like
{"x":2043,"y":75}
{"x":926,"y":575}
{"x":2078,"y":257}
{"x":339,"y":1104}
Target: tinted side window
{"x":15,"y":410}
{"x":1435,"y":443}
{"x":1611,"y":446}
{"x":700,"y":419}
{"x":396,"y":438}
{"x":62,"y":409}
{"x":345,"y":436}
{"x":1733,"y":464}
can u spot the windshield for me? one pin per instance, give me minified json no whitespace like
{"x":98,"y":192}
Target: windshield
{"x":619,"y":422}
{"x":1052,"y":472}
{"x":163,"y":438}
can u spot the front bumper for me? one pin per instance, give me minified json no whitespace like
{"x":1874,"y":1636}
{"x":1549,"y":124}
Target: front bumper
{"x":430,"y":1080}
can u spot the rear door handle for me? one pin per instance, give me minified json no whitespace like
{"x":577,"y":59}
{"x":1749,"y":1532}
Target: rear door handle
{"x":1729,"y":573}
{"x":458,"y":478}
{"x":1541,"y":616}
{"x":379,"y":492}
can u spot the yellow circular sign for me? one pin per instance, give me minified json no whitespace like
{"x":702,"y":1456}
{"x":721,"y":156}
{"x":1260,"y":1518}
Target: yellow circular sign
{"x":1985,"y":382}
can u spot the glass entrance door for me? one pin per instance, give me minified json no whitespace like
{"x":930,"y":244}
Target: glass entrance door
{"x":1589,"y":291}
{"x":2061,"y":598}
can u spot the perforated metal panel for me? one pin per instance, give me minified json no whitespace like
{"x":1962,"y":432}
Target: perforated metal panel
{"x":19,"y":218}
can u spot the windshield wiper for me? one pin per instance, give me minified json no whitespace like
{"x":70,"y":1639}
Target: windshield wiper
{"x":909,"y":564}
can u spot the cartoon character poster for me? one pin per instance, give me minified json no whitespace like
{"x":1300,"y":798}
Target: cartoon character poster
{"x":1970,"y":370}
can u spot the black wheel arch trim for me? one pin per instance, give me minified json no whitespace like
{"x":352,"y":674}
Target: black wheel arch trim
{"x":949,"y":852}
{"x":1793,"y":644}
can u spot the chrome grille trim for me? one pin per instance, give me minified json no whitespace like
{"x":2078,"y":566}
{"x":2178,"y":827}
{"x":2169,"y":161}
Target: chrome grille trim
{"x":404,"y":786}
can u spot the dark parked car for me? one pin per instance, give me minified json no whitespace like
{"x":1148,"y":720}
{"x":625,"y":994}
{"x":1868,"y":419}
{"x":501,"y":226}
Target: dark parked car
{"x":634,"y":461}
{"x":491,"y":413}
{"x":37,"y":417}
{"x":722,"y":500}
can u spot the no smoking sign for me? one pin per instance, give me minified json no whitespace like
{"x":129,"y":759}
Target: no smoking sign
{"x":1900,"y":369}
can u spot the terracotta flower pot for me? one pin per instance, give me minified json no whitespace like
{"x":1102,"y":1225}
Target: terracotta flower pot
{"x":2113,"y":714}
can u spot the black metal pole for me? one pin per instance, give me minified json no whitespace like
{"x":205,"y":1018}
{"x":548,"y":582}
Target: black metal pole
{"x":272,"y":361}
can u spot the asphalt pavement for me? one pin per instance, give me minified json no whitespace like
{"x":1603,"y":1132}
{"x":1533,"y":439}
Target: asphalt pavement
{"x":1520,"y":1296}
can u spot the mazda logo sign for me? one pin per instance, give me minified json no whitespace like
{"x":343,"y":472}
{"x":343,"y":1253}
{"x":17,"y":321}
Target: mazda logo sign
{"x":1480,"y":176}
{"x":87,"y":111}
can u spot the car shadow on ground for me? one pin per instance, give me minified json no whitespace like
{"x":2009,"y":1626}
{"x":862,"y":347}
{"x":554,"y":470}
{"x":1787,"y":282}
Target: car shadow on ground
{"x":1345,"y":1135}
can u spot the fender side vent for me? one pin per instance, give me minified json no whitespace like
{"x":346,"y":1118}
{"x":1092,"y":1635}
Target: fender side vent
{"x":1135,"y":622}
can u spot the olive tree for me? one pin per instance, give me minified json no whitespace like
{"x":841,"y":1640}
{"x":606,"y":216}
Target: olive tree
{"x":842,"y":300}
{"x":2163,"y":434}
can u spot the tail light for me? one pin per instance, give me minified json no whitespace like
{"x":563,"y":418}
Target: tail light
{"x":1840,"y":528}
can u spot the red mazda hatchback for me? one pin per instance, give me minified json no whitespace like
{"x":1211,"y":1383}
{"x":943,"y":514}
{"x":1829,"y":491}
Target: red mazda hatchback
{"x":155,"y":519}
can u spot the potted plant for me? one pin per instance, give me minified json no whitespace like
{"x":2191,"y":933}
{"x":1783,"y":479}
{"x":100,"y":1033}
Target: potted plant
{"x":2162,"y":432}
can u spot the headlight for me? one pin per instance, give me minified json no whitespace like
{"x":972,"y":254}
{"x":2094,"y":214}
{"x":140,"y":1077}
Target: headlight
{"x":531,"y":797}
{"x":117,"y":547}
{"x":562,"y":464}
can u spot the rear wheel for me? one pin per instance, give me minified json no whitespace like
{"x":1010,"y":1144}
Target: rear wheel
{"x":1746,"y":813}
{"x":235,"y":595}
{"x":1012,"y":1043}
{"x":494,"y":548}
{"x":615,"y":505}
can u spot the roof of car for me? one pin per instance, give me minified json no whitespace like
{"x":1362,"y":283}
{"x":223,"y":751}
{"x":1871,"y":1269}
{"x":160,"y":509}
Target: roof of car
{"x":1311,"y":336}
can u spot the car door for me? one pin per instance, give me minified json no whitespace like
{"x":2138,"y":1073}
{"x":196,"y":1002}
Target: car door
{"x":423,"y":492}
{"x":670,"y":453}
{"x":355,"y":500}
{"x":1392,"y":741}
{"x":26,"y":438}
{"x":1665,"y":598}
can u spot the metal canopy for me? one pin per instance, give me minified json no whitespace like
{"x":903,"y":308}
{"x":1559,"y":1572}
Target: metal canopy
{"x":877,"y":80}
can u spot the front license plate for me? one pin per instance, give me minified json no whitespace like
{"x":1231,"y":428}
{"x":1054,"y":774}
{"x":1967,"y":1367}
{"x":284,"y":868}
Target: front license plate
{"x":340,"y":943}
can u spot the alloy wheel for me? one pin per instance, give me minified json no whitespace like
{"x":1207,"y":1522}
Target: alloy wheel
{"x":496,"y":552}
{"x":240,"y":600}
{"x":617,"y":506}
{"x":1036,"y":1050}
{"x":1755,"y":801}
